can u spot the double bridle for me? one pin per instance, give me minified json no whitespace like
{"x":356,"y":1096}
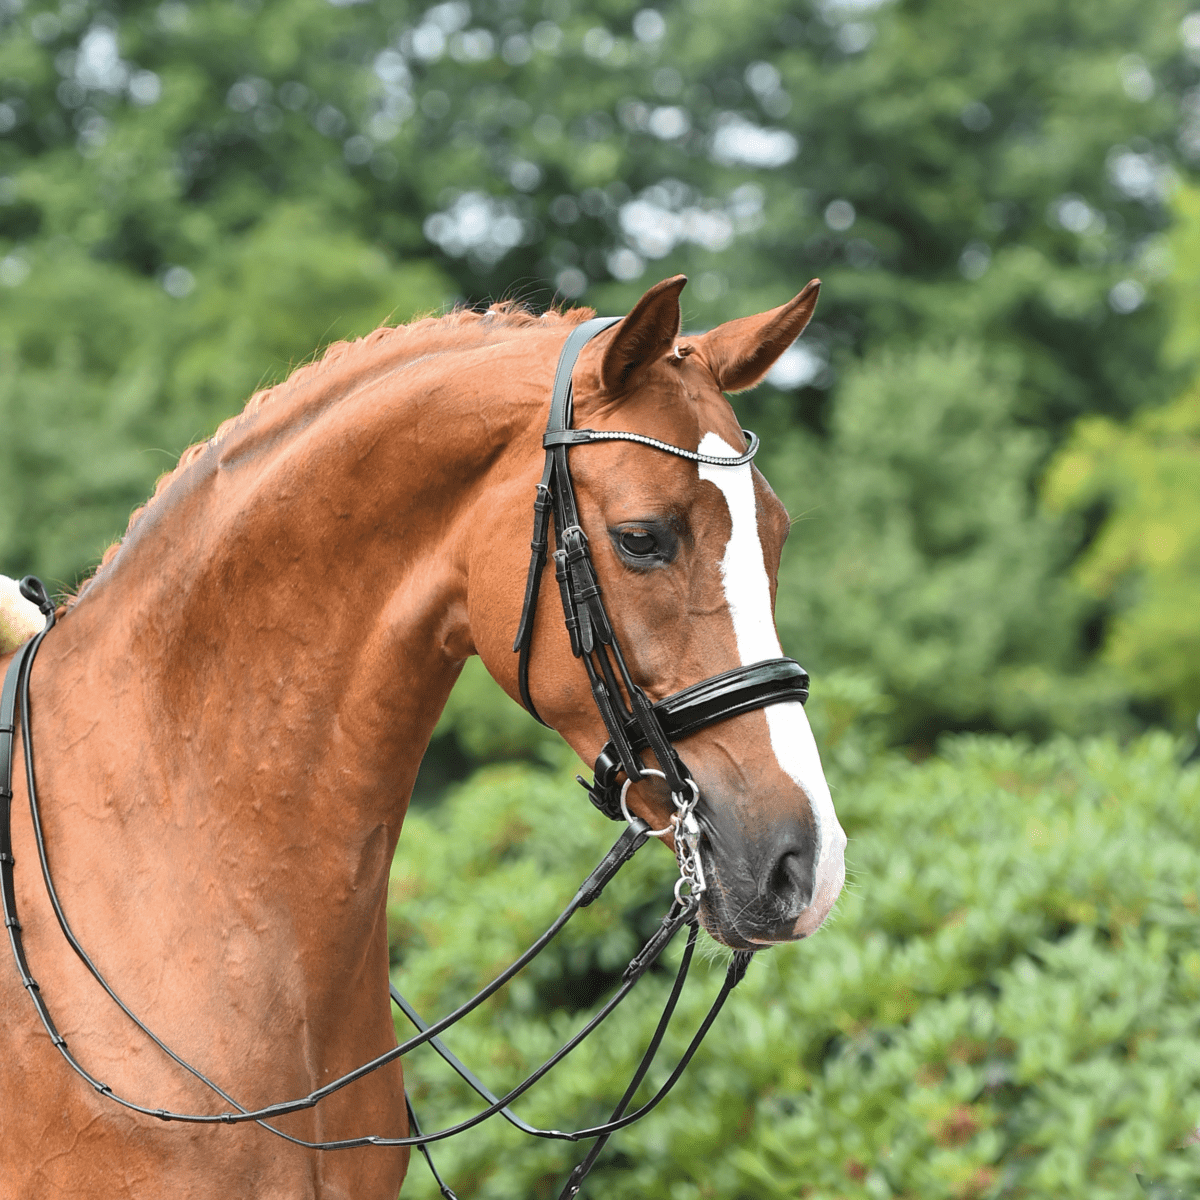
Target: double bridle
{"x":634,"y":724}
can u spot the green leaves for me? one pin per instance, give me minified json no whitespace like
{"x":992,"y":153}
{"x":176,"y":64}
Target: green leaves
{"x":1004,"y":1002}
{"x":917,"y":554}
{"x":1144,"y":562}
{"x":98,"y":399}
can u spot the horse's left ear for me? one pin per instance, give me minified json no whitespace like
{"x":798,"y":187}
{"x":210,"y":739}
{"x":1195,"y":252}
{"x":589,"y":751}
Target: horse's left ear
{"x":644,"y":336}
{"x":739,"y":353}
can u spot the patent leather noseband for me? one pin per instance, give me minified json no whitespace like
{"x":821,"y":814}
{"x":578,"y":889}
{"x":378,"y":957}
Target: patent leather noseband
{"x":634,"y":724}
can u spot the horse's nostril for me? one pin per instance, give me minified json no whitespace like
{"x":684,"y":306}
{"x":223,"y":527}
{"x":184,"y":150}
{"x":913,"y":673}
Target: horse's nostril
{"x":792,"y":882}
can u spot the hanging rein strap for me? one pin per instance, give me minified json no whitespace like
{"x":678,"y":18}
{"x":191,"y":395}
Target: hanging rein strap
{"x":16,"y":687}
{"x":560,"y":418}
{"x":14,"y":697}
{"x":14,"y":694}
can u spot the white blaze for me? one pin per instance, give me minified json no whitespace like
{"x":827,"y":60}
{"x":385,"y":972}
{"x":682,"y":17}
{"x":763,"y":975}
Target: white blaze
{"x":748,"y":594}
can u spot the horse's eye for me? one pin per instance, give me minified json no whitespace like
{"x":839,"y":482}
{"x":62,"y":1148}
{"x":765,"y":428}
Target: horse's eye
{"x":647,"y":544}
{"x":639,"y":544}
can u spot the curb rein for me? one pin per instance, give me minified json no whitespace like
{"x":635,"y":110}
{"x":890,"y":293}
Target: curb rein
{"x":633,"y":726}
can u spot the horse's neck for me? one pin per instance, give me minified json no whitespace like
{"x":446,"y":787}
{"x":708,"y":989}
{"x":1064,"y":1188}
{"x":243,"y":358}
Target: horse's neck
{"x":253,"y":680}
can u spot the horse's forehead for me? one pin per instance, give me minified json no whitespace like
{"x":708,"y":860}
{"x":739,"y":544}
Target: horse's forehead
{"x":682,"y":405}
{"x":676,"y":389}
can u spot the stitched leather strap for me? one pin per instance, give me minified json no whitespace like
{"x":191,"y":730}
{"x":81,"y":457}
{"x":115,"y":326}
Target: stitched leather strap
{"x":638,"y":725}
{"x":773,"y":681}
{"x":560,"y":417}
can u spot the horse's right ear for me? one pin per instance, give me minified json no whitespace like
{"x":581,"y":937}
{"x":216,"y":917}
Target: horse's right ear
{"x":644,"y":336}
{"x":741,"y":352}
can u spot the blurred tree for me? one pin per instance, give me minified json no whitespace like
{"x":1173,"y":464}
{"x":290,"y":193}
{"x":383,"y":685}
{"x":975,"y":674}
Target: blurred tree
{"x":167,"y":245}
{"x":923,"y":558}
{"x":98,"y":365}
{"x":962,"y":175}
{"x":1145,"y":560}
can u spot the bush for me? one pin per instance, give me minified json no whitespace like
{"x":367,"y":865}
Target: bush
{"x":1004,"y":1004}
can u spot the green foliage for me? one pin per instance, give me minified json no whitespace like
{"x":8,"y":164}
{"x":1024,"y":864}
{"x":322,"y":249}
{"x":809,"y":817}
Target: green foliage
{"x":1146,"y":558}
{"x":1004,"y":1003}
{"x":122,"y":368}
{"x":917,"y":554}
{"x":195,"y":197}
{"x":146,"y":296}
{"x":1180,"y":250}
{"x":1144,"y":562}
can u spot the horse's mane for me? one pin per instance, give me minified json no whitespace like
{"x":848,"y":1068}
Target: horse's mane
{"x":426,"y":335}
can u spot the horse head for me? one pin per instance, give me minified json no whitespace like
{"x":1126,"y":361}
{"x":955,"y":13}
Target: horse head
{"x":687,"y":556}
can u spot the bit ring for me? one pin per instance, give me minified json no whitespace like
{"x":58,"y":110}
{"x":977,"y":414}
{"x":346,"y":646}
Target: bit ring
{"x":668,"y":828}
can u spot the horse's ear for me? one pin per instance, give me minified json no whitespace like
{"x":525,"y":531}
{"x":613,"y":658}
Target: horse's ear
{"x":741,"y":352}
{"x":644,"y":336}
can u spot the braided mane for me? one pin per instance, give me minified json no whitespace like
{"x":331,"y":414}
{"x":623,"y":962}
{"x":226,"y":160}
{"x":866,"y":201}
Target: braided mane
{"x":422,"y":335}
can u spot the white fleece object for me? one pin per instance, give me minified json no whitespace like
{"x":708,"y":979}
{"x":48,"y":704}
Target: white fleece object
{"x":19,"y":619}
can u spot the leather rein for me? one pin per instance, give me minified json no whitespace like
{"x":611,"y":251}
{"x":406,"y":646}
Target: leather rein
{"x":633,"y":723}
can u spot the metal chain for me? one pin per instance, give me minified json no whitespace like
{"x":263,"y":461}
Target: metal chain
{"x":687,"y":849}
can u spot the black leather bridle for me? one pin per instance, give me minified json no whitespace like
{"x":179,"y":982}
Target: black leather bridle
{"x":633,"y":723}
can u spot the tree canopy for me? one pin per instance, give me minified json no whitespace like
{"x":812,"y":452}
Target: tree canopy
{"x":195,"y":197}
{"x":1144,"y":562}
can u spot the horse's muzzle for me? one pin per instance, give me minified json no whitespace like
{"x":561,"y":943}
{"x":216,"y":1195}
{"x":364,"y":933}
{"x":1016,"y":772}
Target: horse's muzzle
{"x":775,"y":888}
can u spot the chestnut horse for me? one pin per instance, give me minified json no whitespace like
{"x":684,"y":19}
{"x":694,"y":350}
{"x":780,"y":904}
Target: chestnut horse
{"x":230,"y":717}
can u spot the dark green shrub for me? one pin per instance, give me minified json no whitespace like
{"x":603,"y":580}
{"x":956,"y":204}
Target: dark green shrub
{"x":1006,"y":1003}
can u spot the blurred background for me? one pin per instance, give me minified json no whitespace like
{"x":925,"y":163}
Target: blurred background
{"x":989,"y":439}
